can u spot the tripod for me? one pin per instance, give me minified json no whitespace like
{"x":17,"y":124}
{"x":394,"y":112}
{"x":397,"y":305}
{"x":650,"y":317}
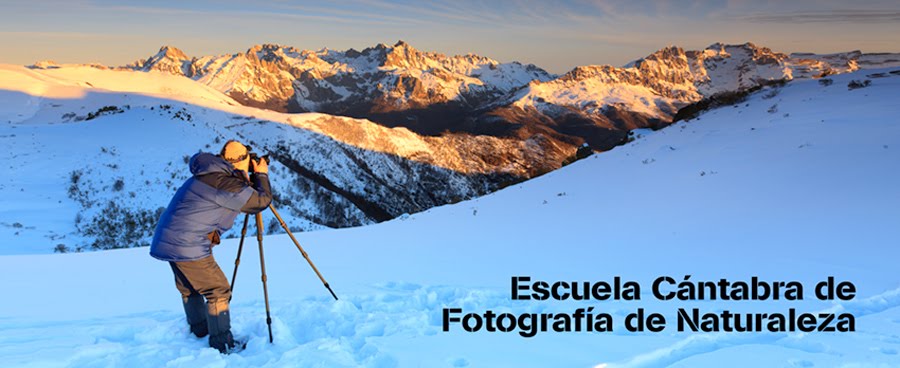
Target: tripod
{"x":262,"y":261}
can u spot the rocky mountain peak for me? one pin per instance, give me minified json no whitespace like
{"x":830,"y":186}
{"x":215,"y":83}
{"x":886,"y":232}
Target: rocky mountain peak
{"x":584,"y":72}
{"x":267,"y":47}
{"x":171,"y":52}
{"x":269,"y":51}
{"x":404,"y":56}
{"x":670,"y":64}
{"x":667,"y":53}
{"x":352,"y":53}
{"x":168,"y":59}
{"x":752,"y":49}
{"x":672,"y":56}
{"x":717,"y":47}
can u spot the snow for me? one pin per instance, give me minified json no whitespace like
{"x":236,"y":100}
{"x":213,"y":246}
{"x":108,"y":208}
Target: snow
{"x":593,"y":96}
{"x":801,"y":194}
{"x":734,"y":68}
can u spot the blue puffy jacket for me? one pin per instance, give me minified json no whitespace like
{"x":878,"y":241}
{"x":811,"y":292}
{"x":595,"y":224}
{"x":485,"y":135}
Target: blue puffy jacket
{"x":206,"y":203}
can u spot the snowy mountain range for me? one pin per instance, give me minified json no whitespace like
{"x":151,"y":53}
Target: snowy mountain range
{"x":421,"y":129}
{"x":431,"y":93}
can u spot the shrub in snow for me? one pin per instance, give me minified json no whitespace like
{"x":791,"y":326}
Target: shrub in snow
{"x":119,"y":185}
{"x":826,"y":82}
{"x":75,"y":191}
{"x":771,"y":93}
{"x":273,"y":227}
{"x":855,"y":84}
{"x":119,"y":227}
{"x":105,"y":110}
{"x":580,"y":153}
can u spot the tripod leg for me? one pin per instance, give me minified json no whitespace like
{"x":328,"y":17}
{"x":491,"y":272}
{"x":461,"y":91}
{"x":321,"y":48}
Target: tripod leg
{"x":283,"y":225}
{"x":237,"y":261}
{"x":262,"y":267}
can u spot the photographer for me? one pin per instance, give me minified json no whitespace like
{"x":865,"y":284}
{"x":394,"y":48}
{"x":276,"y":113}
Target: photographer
{"x":202,"y":209}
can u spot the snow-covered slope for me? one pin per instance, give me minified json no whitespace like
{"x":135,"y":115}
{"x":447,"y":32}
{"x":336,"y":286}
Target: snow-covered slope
{"x":801,"y":192}
{"x":94,"y":155}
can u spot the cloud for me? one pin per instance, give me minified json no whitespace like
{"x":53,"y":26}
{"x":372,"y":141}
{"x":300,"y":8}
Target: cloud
{"x":835,"y":16}
{"x":466,"y":12}
{"x":65,"y":35}
{"x":259,"y":14}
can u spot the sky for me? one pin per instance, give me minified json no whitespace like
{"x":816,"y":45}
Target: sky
{"x":555,"y":35}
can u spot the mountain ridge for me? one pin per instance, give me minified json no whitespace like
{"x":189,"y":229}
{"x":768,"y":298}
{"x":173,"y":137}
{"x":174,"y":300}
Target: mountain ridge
{"x":432,"y":93}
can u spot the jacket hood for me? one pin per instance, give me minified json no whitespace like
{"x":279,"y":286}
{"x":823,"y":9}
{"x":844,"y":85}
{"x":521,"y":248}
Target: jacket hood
{"x":205,"y":163}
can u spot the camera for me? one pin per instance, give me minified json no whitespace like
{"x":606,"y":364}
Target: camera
{"x":255,"y":157}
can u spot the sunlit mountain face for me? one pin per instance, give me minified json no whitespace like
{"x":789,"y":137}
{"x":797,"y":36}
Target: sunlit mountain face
{"x":434,"y":94}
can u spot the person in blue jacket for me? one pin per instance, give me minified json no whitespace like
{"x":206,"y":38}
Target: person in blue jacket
{"x":203,"y":208}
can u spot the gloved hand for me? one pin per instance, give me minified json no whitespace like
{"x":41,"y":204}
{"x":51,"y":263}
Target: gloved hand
{"x":260,"y":166}
{"x":214,"y":238}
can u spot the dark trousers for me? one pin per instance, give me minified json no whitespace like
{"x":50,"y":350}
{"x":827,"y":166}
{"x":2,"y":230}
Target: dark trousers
{"x":201,"y":279}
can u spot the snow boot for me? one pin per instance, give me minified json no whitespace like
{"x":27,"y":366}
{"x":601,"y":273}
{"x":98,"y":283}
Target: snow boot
{"x":222,"y":342}
{"x":240,"y":343}
{"x":219,"y":324}
{"x":227,"y":344}
{"x":195,"y":311}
